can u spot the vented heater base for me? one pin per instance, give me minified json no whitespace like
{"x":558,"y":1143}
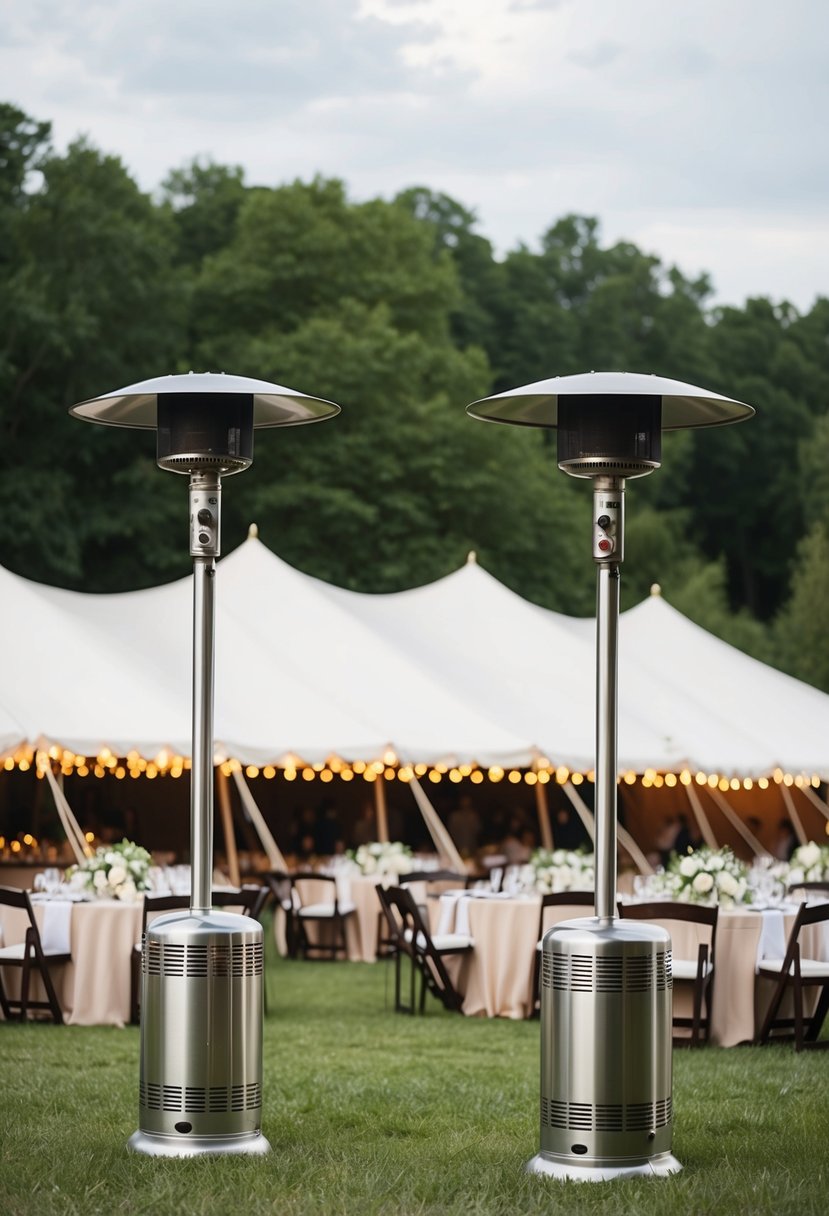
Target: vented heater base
{"x":200,"y":1087}
{"x":606,"y":1105}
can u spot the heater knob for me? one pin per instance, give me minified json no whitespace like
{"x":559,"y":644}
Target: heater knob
{"x":205,"y":517}
{"x":604,"y":521}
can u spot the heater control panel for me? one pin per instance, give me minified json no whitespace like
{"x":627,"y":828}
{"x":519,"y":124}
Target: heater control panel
{"x":607,"y":527}
{"x":204,"y":522}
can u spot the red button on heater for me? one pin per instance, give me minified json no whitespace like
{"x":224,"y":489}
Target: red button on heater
{"x":605,"y":546}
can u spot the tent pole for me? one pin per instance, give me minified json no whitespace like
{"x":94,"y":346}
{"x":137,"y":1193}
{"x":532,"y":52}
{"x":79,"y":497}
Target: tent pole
{"x":380,"y":809}
{"x":226,"y":812}
{"x":275,"y":856}
{"x":797,"y":823}
{"x":736,"y":822}
{"x":76,"y":838}
{"x":442,"y":840}
{"x":543,"y":809}
{"x":625,"y":839}
{"x":815,"y":801}
{"x":702,"y":819}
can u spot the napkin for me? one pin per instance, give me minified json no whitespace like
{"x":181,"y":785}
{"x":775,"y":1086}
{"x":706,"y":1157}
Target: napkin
{"x":54,"y":932}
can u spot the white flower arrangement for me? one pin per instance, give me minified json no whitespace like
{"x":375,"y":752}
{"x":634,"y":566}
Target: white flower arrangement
{"x":809,"y":863}
{"x":115,"y":871}
{"x":382,"y":861}
{"x":704,"y":876}
{"x":550,"y":871}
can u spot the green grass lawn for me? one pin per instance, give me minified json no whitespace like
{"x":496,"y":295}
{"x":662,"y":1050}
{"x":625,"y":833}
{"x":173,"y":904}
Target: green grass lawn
{"x":369,"y":1112}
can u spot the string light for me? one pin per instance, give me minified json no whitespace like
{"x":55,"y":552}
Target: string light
{"x":577,"y":778}
{"x":346,"y":774}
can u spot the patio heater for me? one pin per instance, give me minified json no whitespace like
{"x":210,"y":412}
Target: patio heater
{"x":200,"y":1087}
{"x":606,"y":984}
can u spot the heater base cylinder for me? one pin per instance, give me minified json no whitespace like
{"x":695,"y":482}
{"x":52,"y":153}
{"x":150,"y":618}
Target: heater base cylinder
{"x":150,"y":1145}
{"x":655,"y":1167}
{"x":606,"y":1042}
{"x":200,"y":1088}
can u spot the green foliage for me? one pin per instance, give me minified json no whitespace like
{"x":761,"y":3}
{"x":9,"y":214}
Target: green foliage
{"x":802,"y":626}
{"x":400,"y":311}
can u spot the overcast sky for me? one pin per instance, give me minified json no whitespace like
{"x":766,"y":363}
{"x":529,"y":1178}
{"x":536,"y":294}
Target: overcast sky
{"x":695,"y":128}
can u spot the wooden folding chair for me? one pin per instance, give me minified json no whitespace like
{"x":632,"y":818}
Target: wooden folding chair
{"x":250,"y":897}
{"x":698,"y":971}
{"x":153,"y":906}
{"x":446,"y":878}
{"x":558,"y":899}
{"x":425,"y":952}
{"x":30,"y":957}
{"x":332,"y":912}
{"x":796,"y":971}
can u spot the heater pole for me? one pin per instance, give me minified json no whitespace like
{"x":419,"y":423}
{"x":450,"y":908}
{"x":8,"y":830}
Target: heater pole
{"x":608,"y":542}
{"x":205,"y":490}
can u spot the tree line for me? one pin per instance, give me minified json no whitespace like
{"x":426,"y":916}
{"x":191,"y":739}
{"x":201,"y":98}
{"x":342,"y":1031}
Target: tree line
{"x":400,"y":311}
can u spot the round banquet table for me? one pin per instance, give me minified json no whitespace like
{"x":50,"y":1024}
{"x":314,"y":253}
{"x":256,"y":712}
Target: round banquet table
{"x":94,"y":988}
{"x":496,"y":977}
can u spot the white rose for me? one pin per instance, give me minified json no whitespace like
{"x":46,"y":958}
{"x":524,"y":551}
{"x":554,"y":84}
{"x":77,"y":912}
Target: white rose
{"x":117,"y":875}
{"x":126,"y":891}
{"x":703,"y":883}
{"x":111,"y":858}
{"x":727,"y":883}
{"x":688,"y":866}
{"x":99,"y":880}
{"x":796,"y":876}
{"x":715,"y":862}
{"x":369,"y":864}
{"x":808,"y":854}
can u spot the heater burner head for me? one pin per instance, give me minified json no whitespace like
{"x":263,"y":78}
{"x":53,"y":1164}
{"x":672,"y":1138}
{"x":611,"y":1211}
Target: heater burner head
{"x":609,"y":436}
{"x":205,"y":434}
{"x":538,"y":404}
{"x":137,"y":404}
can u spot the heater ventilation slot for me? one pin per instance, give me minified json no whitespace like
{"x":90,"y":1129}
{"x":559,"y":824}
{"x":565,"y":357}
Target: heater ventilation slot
{"x":198,"y":962}
{"x":149,"y":1096}
{"x":585,"y":1117}
{"x":586,"y":973}
{"x":196,"y":1100}
{"x":591,"y":466}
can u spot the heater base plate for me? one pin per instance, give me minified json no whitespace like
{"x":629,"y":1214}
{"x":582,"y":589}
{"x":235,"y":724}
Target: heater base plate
{"x":659,"y":1166}
{"x":196,"y":1146}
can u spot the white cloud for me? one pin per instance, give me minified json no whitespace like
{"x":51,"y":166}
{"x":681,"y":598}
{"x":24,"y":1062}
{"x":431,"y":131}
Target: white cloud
{"x":697,"y":129}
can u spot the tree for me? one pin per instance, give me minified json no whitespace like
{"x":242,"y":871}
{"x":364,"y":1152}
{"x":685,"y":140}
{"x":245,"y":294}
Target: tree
{"x":88,"y":303}
{"x":802,"y":625}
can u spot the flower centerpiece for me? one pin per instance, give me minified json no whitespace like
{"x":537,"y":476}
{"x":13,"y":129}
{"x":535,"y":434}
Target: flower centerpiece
{"x":808,"y":863}
{"x":383,"y":861}
{"x":115,"y":871}
{"x":553,"y":870}
{"x":704,"y":876}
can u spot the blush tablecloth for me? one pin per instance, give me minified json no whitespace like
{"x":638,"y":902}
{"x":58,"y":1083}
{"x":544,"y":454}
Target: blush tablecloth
{"x":94,"y":989}
{"x":496,"y":978}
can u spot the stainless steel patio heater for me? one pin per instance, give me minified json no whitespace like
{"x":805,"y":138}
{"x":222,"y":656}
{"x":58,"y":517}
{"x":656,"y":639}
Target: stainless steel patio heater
{"x":606,"y":988}
{"x":200,"y":1087}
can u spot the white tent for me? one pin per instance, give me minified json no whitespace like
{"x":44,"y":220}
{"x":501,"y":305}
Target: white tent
{"x":295,"y":675}
{"x":686,"y":698}
{"x":459,"y":670}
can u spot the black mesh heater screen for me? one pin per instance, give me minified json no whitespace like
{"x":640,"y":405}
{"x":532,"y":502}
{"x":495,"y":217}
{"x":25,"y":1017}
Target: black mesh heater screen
{"x":210,"y":424}
{"x":616,"y":428}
